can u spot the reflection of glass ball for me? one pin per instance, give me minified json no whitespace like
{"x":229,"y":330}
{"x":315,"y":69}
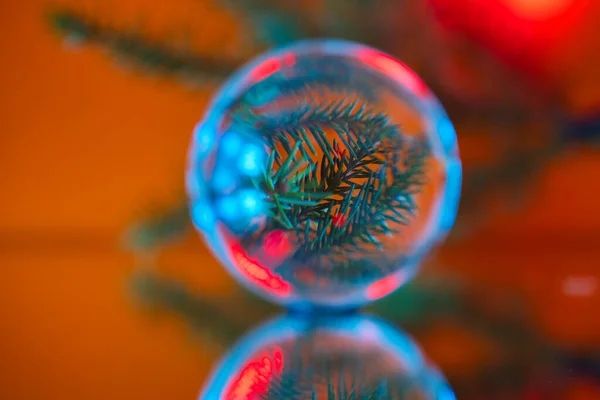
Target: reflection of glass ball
{"x":332,"y":358}
{"x":322,"y":173}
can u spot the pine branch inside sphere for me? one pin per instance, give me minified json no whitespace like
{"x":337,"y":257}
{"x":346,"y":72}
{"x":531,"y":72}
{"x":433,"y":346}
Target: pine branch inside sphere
{"x":325,"y":174}
{"x":340,"y":174}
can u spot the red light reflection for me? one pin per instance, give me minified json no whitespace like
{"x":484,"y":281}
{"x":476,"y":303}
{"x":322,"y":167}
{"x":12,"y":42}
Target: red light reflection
{"x":266,"y":69}
{"x":395,"y":68}
{"x":254,"y":378}
{"x":382,"y":287}
{"x":258,"y":273}
{"x":289,"y":59}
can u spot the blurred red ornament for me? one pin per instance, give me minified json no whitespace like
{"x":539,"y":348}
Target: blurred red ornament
{"x":339,"y":220}
{"x":276,"y":243}
{"x":524,"y":34}
{"x":537,"y":9}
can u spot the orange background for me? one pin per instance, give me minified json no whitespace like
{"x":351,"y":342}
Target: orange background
{"x":85,"y":146}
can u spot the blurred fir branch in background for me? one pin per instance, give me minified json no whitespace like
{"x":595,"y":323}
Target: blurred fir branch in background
{"x":274,"y":22}
{"x":161,"y":227}
{"x":131,"y":48}
{"x":217,"y":319}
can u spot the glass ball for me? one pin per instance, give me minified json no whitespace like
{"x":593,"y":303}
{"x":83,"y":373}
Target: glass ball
{"x":340,"y":357}
{"x":322,"y":174}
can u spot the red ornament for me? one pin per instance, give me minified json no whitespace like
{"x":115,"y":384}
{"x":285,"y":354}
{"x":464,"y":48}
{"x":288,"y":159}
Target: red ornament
{"x":276,"y":243}
{"x":527,"y":35}
{"x":339,"y":220}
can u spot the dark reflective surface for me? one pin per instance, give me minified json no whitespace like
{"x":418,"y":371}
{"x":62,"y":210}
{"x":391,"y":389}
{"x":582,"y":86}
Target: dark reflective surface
{"x":326,"y":357}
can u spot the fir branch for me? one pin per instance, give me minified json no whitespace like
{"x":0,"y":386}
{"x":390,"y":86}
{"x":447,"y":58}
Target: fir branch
{"x":306,"y":374}
{"x":344,"y":182}
{"x":204,"y":316}
{"x":134,"y":48}
{"x":293,"y":126}
{"x":219,"y":320}
{"x":377,"y":204}
{"x":163,"y":227}
{"x":339,"y":177}
{"x":358,"y":20}
{"x":274,"y":23}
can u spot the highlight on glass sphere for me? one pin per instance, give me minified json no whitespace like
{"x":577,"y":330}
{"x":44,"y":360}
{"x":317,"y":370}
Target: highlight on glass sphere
{"x":322,"y":174}
{"x":334,"y":358}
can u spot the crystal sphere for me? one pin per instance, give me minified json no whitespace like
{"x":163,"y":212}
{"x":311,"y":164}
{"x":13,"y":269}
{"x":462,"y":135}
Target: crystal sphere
{"x":340,"y":357}
{"x":322,"y":173}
